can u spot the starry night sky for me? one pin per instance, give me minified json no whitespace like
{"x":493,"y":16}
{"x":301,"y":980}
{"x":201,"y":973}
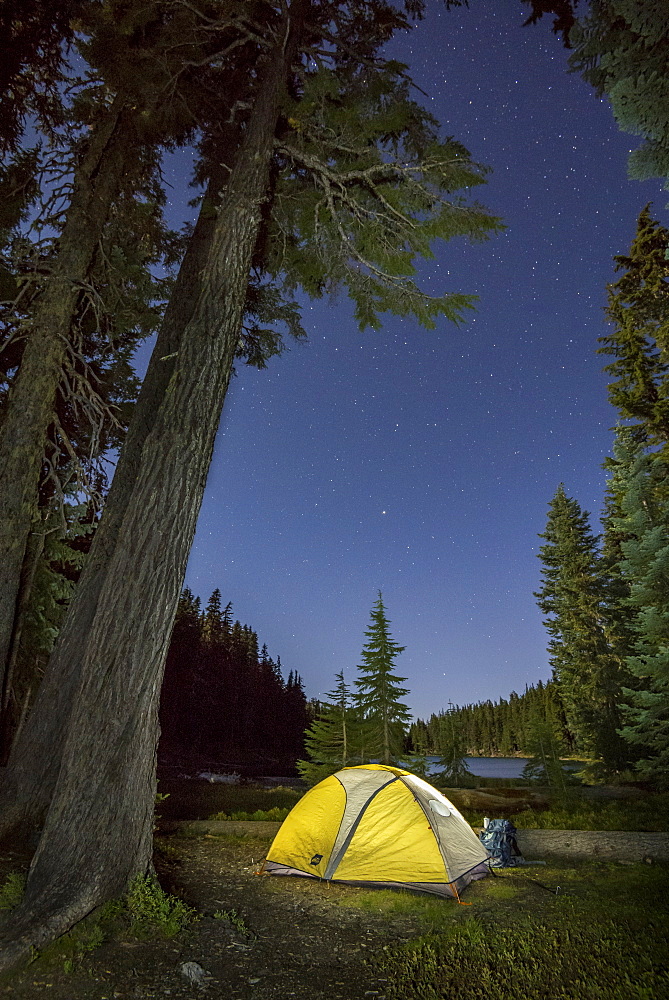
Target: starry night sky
{"x":421,"y":463}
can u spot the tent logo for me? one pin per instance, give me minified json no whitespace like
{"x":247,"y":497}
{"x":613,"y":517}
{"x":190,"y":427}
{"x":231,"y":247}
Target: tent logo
{"x":317,"y":858}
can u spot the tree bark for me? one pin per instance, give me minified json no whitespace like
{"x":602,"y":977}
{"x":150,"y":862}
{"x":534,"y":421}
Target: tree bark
{"x":10,"y":711}
{"x":32,"y":397}
{"x":98,"y":831}
{"x":30,"y":777}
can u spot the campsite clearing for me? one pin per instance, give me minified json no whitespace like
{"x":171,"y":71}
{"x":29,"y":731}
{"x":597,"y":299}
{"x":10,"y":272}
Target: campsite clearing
{"x":602,"y":937}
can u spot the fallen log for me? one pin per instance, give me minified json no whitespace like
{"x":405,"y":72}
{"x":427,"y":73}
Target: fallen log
{"x":614,"y":845}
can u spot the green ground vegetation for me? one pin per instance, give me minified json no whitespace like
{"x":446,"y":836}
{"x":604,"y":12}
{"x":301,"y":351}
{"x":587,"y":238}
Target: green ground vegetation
{"x":145,"y":912}
{"x":569,"y":930}
{"x":570,"y":810}
{"x":592,"y":931}
{"x":150,"y":910}
{"x":649,"y":814}
{"x":235,"y":920}
{"x":276,"y":814}
{"x":11,"y":891}
{"x":204,"y":800}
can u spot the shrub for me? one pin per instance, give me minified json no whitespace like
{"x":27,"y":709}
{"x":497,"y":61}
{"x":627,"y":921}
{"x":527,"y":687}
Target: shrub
{"x":151,"y":909}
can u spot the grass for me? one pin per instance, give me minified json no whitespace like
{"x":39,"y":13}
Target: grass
{"x":602,"y":937}
{"x":236,"y":921}
{"x":275,"y":814}
{"x":502,"y":888}
{"x":650,"y":814}
{"x":69,"y":951}
{"x":205,"y":800}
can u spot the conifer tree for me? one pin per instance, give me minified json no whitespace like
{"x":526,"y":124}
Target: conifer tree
{"x":452,"y":764}
{"x":636,"y":519}
{"x":641,"y":480}
{"x":617,"y":586}
{"x":34,"y":36}
{"x":181,"y":687}
{"x":90,"y":414}
{"x":296,"y":716}
{"x":588,"y":671}
{"x":379,"y":691}
{"x":419,"y":737}
{"x":479,"y":724}
{"x":544,"y":765}
{"x":29,"y":780}
{"x":278,"y":673}
{"x":330,"y":739}
{"x":58,"y":549}
{"x":107,"y":155}
{"x":216,"y":703}
{"x":621,"y":49}
{"x":213,"y":629}
{"x":638,"y":310}
{"x":189,"y":612}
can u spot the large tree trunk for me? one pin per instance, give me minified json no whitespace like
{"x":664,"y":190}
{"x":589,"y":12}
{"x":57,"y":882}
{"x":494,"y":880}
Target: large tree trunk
{"x":30,"y":777}
{"x":12,"y":704}
{"x":98,"y":830}
{"x":31,"y":401}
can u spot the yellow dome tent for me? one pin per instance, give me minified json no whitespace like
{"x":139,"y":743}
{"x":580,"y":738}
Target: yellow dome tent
{"x":382,"y":826}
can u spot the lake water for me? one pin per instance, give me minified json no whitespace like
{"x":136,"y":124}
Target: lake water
{"x":496,"y":767}
{"x":480,"y":767}
{"x":490,"y":767}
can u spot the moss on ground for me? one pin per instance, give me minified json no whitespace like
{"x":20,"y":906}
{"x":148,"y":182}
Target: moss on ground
{"x":11,"y":890}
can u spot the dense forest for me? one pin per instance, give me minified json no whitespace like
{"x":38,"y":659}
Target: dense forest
{"x":493,"y":728}
{"x":224,"y":702}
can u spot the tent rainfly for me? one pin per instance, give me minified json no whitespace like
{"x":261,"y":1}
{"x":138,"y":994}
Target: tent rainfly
{"x":380,"y":826}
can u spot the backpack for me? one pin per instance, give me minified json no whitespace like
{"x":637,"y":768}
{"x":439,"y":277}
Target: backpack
{"x":498,"y":836}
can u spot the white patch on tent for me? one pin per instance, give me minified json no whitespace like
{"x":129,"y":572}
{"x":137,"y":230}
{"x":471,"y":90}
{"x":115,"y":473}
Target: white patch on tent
{"x":433,"y":793}
{"x":440,"y":808}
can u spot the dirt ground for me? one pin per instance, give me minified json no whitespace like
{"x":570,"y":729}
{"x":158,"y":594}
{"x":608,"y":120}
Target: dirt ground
{"x":292,"y":938}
